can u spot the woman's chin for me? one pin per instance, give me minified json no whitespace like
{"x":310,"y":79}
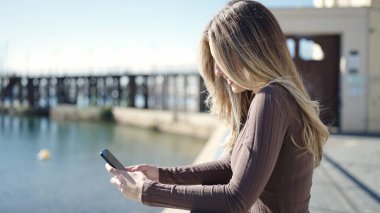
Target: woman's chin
{"x":237,"y":89}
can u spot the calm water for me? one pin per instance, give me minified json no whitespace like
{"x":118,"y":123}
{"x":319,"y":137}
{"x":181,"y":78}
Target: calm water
{"x":74,"y":179}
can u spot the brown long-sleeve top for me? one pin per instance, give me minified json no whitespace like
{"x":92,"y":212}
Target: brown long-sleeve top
{"x":265,"y":171}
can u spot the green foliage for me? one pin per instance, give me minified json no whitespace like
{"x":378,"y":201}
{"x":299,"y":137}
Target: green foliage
{"x":106,"y":114}
{"x":154,"y":128}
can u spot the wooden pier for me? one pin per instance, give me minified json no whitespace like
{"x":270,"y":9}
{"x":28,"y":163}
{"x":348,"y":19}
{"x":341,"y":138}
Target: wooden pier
{"x":183,"y":92}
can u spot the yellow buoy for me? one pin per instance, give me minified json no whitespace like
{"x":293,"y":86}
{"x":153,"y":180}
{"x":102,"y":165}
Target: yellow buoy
{"x":44,"y":154}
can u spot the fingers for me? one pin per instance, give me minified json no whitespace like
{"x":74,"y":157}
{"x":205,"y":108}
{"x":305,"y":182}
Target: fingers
{"x":140,"y":168}
{"x":121,"y":183}
{"x":130,"y":168}
{"x":112,"y":170}
{"x":128,"y":176}
{"x":115,"y":180}
{"x":122,"y":180}
{"x":119,"y":180}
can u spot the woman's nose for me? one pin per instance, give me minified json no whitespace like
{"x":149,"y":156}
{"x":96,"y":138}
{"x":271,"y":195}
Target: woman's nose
{"x":217,"y":71}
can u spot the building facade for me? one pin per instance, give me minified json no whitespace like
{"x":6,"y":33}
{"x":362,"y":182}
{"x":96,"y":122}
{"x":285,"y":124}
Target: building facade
{"x":355,"y":32}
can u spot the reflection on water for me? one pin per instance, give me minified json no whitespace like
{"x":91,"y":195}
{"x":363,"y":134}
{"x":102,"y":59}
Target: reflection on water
{"x":74,"y":179}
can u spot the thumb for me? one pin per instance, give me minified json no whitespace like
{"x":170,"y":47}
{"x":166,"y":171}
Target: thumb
{"x":130,"y":168}
{"x":140,"y":168}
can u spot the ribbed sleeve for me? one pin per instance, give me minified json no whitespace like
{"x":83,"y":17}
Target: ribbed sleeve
{"x":252,"y":162}
{"x":214,"y":172}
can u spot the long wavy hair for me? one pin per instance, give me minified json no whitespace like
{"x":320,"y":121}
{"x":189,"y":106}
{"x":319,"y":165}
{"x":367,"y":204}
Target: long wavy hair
{"x":245,"y":40}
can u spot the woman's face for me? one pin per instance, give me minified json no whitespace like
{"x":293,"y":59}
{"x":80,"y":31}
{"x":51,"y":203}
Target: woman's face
{"x":234,"y":86}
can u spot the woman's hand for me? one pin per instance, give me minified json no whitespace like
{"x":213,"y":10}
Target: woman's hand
{"x":131,"y":191}
{"x":150,"y":171}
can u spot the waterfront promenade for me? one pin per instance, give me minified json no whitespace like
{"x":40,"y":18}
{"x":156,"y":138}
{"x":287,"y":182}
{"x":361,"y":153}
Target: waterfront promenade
{"x":348,"y":179}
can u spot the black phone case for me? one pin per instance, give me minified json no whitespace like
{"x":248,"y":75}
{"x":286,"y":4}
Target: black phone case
{"x":111,"y":159}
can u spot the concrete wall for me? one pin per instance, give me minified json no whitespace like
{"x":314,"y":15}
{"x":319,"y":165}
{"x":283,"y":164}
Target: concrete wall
{"x":73,"y":113}
{"x":374,"y":71}
{"x":352,"y":25}
{"x":198,"y":125}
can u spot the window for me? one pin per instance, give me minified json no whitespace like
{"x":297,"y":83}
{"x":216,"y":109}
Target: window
{"x":291,"y":46}
{"x":310,"y":51}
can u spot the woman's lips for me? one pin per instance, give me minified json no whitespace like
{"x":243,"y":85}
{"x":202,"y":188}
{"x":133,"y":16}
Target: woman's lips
{"x":229,"y":82}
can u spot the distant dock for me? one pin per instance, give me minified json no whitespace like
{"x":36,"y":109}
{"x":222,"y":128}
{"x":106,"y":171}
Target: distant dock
{"x":180,"y":92}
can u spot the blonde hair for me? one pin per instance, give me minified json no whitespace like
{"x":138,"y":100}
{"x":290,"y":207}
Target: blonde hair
{"x":246,"y":42}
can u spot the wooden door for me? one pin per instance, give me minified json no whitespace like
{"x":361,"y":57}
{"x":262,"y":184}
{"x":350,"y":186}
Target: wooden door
{"x":317,"y":58}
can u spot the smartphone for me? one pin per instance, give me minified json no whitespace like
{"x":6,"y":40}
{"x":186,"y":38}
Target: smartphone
{"x":115,"y":163}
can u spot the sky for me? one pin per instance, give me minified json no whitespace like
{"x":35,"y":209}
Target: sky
{"x":100,"y":36}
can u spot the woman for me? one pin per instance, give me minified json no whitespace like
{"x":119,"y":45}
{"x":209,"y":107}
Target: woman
{"x":277,"y":136}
